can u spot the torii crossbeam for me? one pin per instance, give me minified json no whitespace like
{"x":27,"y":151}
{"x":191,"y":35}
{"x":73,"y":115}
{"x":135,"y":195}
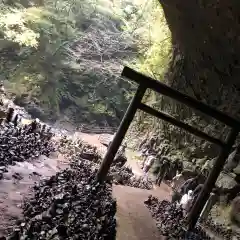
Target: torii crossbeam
{"x":147,"y":82}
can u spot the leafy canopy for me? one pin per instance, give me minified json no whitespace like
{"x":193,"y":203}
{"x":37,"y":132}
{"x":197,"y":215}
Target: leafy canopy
{"x":65,"y":56}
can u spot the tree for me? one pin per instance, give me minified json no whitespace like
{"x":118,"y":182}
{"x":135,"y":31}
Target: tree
{"x":64,"y":53}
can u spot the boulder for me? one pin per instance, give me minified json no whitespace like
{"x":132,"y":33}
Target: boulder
{"x":226,"y":181}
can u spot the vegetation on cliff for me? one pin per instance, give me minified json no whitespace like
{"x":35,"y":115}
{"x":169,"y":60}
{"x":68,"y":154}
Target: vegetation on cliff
{"x":63,"y":59}
{"x":205,"y":66}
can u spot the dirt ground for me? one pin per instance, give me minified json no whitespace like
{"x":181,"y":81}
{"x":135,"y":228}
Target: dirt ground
{"x":134,"y":221}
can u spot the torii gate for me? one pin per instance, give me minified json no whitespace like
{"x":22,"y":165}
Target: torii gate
{"x":147,"y":82}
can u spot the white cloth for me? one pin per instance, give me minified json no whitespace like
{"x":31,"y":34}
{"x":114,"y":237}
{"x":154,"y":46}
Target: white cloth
{"x":186,"y":200}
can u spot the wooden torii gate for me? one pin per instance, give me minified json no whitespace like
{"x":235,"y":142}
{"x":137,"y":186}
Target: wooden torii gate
{"x":226,"y":146}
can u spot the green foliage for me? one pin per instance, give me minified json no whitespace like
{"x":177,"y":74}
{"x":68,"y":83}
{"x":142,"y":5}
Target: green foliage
{"x":13,"y":27}
{"x":145,"y":20}
{"x":65,"y":56}
{"x":149,"y":26}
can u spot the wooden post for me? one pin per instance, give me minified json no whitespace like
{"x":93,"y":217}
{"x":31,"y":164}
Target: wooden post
{"x":180,"y":124}
{"x":211,"y":180}
{"x":208,"y":206}
{"x":118,"y":138}
{"x":9,"y":115}
{"x":163,"y":89}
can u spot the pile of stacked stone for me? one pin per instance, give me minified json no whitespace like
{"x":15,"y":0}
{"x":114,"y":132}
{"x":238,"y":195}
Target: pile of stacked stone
{"x":124,"y":176}
{"x":21,"y":143}
{"x":69,"y":205}
{"x":78,"y":150}
{"x":170,"y":220}
{"x":140,"y":182}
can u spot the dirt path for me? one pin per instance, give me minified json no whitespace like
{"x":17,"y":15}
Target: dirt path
{"x":133,"y":218}
{"x":134,"y":221}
